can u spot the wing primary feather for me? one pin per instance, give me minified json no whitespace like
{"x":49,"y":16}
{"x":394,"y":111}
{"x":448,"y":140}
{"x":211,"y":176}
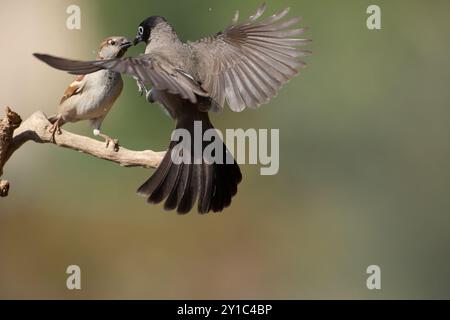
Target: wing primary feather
{"x":259,"y":12}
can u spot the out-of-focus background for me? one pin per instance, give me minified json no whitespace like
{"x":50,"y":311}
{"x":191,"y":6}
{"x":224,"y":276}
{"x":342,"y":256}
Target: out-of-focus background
{"x":364,"y":167}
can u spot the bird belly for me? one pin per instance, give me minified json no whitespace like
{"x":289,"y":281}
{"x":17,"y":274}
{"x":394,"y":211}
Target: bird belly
{"x":166,"y":101}
{"x":175,"y":106}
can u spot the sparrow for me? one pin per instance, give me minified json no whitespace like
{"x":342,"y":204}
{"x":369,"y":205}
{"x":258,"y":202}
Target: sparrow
{"x":245,"y":66}
{"x":91,"y":96}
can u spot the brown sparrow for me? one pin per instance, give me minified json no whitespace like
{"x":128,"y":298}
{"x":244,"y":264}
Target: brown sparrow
{"x":91,"y":96}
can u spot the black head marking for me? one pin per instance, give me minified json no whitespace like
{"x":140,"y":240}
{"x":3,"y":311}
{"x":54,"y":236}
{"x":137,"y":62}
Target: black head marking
{"x":146,"y":26}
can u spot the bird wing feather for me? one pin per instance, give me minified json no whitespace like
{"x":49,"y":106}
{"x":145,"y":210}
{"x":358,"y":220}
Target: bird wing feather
{"x":248,"y":63}
{"x":149,"y":68}
{"x":76,"y":87}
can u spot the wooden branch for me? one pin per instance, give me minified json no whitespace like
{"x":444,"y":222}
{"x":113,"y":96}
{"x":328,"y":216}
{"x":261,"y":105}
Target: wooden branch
{"x":7,"y":126}
{"x":14,"y":133}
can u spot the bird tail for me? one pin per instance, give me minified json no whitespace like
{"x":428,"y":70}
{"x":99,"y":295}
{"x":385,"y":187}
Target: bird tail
{"x":180,"y":185}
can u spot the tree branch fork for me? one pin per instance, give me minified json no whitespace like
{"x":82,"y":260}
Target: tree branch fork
{"x":14,"y":133}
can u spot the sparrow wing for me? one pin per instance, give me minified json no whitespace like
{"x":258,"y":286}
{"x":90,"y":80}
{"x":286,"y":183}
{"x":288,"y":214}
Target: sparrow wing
{"x":149,"y":68}
{"x":76,"y":87}
{"x":249,"y":62}
{"x":71,"y":66}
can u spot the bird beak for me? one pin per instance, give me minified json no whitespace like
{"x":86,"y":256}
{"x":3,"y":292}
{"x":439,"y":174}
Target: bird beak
{"x":126,"y":44}
{"x":137,"y":40}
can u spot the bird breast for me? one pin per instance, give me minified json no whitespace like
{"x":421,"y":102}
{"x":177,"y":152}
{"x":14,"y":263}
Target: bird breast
{"x":97,"y":96}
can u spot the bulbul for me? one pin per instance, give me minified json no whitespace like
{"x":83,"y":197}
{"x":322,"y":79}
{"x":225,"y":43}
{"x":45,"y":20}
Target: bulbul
{"x":244,"y":65}
{"x":91,"y":96}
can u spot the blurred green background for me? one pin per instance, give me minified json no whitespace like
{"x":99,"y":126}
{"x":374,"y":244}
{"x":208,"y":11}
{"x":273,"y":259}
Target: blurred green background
{"x":364,"y":166}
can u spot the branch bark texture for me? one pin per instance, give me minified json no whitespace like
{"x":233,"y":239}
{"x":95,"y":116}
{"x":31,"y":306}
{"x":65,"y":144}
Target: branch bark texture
{"x":14,"y":134}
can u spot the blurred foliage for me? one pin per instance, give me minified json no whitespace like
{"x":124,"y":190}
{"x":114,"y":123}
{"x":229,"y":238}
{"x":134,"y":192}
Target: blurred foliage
{"x":364,"y":172}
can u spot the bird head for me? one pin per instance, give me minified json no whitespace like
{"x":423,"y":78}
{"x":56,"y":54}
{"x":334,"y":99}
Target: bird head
{"x":113,"y":47}
{"x":145,"y":29}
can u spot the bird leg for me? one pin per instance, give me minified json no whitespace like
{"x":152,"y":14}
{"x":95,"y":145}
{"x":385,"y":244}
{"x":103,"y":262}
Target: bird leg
{"x":143,"y":90}
{"x":108,"y":139}
{"x":55,"y":128}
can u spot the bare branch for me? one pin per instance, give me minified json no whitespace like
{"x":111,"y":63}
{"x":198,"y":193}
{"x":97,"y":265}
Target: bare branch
{"x":7,"y":126}
{"x":35,"y":128}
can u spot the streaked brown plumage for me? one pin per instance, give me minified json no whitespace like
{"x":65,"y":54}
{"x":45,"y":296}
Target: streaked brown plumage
{"x":245,"y":65}
{"x":91,"y":96}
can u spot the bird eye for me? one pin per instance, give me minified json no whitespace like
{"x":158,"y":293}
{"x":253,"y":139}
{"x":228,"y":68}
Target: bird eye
{"x":112,"y":42}
{"x":141,"y":30}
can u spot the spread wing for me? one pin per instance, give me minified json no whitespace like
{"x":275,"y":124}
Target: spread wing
{"x":249,"y":62}
{"x":76,"y":87}
{"x":149,"y":68}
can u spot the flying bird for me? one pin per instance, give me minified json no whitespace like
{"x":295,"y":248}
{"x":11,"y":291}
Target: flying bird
{"x":245,"y":66}
{"x":91,"y":96}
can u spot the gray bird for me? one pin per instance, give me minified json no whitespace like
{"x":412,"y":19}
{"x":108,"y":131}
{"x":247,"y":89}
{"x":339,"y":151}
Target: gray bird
{"x":244,"y":65}
{"x":91,"y":96}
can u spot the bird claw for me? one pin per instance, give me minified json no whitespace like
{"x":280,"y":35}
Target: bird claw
{"x":141,"y":87}
{"x":149,"y":96}
{"x":54,"y":129}
{"x":143,"y":91}
{"x":113,"y":142}
{"x":108,"y":140}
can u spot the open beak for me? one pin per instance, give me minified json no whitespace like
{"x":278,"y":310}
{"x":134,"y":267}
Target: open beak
{"x":137,"y":40}
{"x":125,"y":45}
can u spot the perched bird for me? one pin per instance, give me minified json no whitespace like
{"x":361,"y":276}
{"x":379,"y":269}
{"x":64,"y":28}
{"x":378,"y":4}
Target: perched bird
{"x":91,"y":96}
{"x":244,"y":65}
